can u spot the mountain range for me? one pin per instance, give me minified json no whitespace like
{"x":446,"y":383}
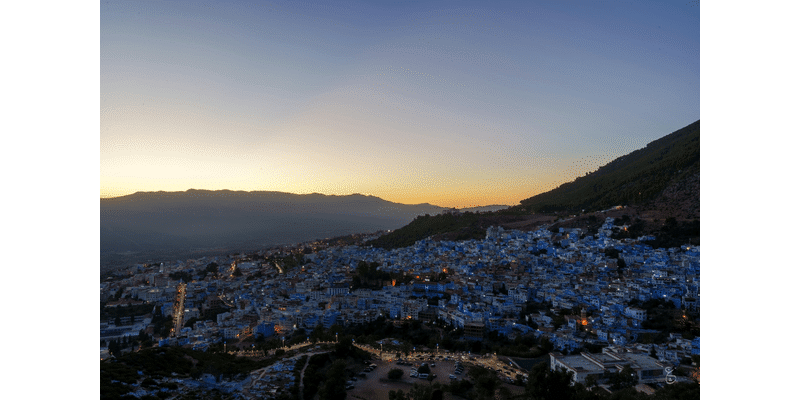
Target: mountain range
{"x":657,"y":183}
{"x":194,"y":222}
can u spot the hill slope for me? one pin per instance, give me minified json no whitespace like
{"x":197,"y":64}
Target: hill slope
{"x":640,"y":177}
{"x":657,"y":182}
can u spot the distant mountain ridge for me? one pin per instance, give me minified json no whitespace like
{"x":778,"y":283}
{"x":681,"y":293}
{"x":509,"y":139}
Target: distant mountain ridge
{"x":150,"y":223}
{"x":663,"y":177}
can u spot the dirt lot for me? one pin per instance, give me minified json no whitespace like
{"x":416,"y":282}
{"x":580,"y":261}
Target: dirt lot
{"x":377,"y":386}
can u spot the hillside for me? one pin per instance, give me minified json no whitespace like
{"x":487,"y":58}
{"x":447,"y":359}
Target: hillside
{"x":659,"y":185}
{"x":638,"y":178}
{"x":457,"y":227}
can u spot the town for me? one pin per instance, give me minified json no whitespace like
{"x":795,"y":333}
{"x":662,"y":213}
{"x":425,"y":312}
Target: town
{"x":584,"y":295}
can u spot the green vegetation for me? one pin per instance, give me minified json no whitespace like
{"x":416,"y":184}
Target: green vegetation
{"x":677,"y":233}
{"x":181,"y":275}
{"x":623,"y":379}
{"x":333,"y":388}
{"x":155,"y":363}
{"x":631,"y":179}
{"x":485,"y":383}
{"x":292,"y":261}
{"x":419,"y":392}
{"x":368,"y":276}
{"x":395,"y":373}
{"x":467,"y":225}
{"x":664,"y":317}
{"x":124,"y":313}
{"x":546,"y":384}
{"x":327,"y":373}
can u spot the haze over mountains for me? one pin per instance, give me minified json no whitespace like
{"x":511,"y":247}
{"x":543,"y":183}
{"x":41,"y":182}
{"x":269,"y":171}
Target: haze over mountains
{"x":195,"y":222}
{"x":663,"y":177}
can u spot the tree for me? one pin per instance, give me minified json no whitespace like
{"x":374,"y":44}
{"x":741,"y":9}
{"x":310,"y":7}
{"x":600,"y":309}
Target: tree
{"x":211,"y":268}
{"x":343,"y":348}
{"x":591,"y":381}
{"x":546,"y":345}
{"x":546,"y":384}
{"x":611,"y":252}
{"x":623,"y":379}
{"x":114,"y":348}
{"x":423,"y":392}
{"x":504,"y":393}
{"x":397,"y":395}
{"x":395,"y":373}
{"x":406,"y":348}
{"x":334,"y":387}
{"x":680,"y":390}
{"x":486,"y":382}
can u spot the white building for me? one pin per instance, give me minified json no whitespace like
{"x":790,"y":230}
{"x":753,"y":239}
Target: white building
{"x":610,"y":360}
{"x":636,"y":313}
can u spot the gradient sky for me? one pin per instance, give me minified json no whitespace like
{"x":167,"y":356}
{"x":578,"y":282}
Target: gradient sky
{"x":453,"y":103}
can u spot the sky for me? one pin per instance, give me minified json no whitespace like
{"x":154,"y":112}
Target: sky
{"x":453,"y":103}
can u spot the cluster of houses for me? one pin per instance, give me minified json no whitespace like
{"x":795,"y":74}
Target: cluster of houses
{"x":479,"y":285}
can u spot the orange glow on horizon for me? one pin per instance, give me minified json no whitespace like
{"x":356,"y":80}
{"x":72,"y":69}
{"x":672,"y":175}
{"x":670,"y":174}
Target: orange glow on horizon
{"x":404,"y":197}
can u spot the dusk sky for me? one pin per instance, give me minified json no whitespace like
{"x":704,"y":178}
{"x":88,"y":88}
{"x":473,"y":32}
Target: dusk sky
{"x":451,"y":103}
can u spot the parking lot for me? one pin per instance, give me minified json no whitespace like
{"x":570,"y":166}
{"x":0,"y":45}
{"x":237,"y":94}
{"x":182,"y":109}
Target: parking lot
{"x":376,"y":385}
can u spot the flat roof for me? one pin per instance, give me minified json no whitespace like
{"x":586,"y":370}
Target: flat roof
{"x":643,"y":361}
{"x":580,"y":363}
